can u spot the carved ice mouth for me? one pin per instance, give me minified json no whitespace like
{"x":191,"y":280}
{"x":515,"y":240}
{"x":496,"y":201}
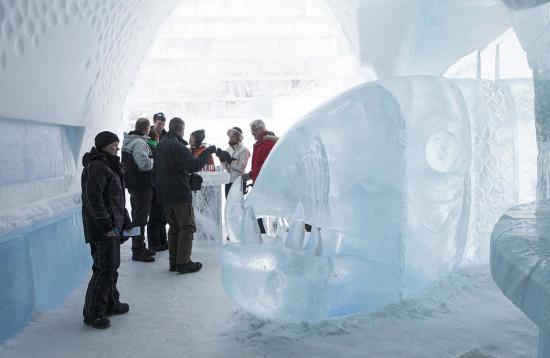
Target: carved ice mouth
{"x":382,"y":174}
{"x":289,"y":279}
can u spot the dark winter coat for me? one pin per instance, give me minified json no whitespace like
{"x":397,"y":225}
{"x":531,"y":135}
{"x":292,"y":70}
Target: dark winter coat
{"x":138,"y":162}
{"x":103,"y":201}
{"x":173,"y":165}
{"x":161,"y":134}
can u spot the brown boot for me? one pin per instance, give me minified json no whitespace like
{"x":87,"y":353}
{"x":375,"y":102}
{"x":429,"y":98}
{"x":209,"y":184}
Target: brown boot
{"x":142,"y":256}
{"x":189,"y":267}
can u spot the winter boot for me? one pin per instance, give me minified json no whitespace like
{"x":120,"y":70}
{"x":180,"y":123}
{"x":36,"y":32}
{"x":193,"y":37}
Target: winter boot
{"x":118,"y":308}
{"x":189,"y":267}
{"x":98,"y":322}
{"x":150,"y":252}
{"x":159,"y":248}
{"x":139,"y":251}
{"x":142,"y":256}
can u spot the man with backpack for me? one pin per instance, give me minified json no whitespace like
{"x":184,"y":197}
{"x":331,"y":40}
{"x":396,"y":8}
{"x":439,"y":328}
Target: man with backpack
{"x":138,"y":161}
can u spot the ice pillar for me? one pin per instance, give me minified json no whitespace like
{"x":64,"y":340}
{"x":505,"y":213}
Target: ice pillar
{"x":542,"y":117}
{"x":531,"y":24}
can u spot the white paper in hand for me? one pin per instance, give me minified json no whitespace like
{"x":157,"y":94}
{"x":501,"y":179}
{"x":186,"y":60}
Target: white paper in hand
{"x":131,"y":232}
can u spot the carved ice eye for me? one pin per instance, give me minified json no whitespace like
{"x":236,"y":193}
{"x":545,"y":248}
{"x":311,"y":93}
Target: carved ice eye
{"x":442,"y":151}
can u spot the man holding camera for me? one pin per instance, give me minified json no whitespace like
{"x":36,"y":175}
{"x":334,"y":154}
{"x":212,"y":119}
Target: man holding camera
{"x":173,"y":166}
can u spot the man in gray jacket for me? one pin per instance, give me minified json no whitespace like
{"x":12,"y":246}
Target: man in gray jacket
{"x":138,"y":161}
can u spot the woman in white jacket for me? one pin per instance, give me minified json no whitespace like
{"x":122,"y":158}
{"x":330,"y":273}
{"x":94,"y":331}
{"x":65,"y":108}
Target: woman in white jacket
{"x":239,"y":157}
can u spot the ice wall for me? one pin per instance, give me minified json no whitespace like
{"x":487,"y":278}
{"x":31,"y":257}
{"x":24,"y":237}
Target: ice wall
{"x":523,"y":4}
{"x":431,"y":35}
{"x":405,"y":177}
{"x":65,"y":70}
{"x":531,"y":26}
{"x":67,"y":63}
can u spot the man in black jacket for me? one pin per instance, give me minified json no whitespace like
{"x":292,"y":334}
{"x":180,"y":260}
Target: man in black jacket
{"x":104,"y":217}
{"x":173,"y":165}
{"x":138,"y":161}
{"x":159,"y":120}
{"x":156,"y":226}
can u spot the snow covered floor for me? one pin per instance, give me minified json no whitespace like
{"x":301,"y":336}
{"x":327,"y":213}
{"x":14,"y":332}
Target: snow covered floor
{"x":173,"y":315}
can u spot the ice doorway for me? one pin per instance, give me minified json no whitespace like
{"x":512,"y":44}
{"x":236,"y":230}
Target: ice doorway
{"x":219,"y":64}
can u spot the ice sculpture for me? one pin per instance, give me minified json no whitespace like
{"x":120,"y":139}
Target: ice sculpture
{"x":384,"y":175}
{"x":520,"y":263}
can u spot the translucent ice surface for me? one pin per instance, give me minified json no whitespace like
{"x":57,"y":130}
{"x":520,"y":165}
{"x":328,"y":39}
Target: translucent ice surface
{"x":400,"y":180}
{"x":520,"y":263}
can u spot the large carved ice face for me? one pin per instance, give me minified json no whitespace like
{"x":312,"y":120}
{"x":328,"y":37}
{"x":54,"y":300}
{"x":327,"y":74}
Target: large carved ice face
{"x":384,"y":172}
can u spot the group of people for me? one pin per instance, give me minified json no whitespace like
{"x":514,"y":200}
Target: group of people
{"x":155,"y":167}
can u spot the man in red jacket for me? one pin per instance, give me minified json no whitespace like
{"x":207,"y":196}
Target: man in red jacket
{"x":262,"y":148}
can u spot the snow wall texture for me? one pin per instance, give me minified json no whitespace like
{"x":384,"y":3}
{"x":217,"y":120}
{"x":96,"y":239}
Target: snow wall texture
{"x":65,"y":69}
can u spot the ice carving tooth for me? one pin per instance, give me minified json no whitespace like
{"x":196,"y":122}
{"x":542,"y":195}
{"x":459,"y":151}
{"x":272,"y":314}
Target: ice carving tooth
{"x":281,"y":233}
{"x":314,"y":244}
{"x":296,"y":234}
{"x":250,"y":231}
{"x":234,"y":210}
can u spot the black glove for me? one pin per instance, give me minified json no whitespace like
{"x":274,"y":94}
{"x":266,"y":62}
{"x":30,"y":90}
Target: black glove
{"x":224,"y":156}
{"x":210,"y":150}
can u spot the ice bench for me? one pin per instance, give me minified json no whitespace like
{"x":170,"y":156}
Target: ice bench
{"x":520,"y":263}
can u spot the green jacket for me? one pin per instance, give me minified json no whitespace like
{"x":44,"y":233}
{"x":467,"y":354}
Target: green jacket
{"x":152,"y":143}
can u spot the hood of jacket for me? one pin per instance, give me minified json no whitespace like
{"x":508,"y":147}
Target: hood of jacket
{"x":130,"y":138}
{"x":271,"y":138}
{"x":94,"y":154}
{"x":176,"y":137}
{"x":133,"y":135}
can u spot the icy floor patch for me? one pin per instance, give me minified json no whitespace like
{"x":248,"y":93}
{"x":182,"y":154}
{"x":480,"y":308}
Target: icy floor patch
{"x":171,"y":315}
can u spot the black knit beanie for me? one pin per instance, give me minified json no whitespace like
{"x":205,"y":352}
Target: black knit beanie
{"x":199,"y":136}
{"x":105,"y":138}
